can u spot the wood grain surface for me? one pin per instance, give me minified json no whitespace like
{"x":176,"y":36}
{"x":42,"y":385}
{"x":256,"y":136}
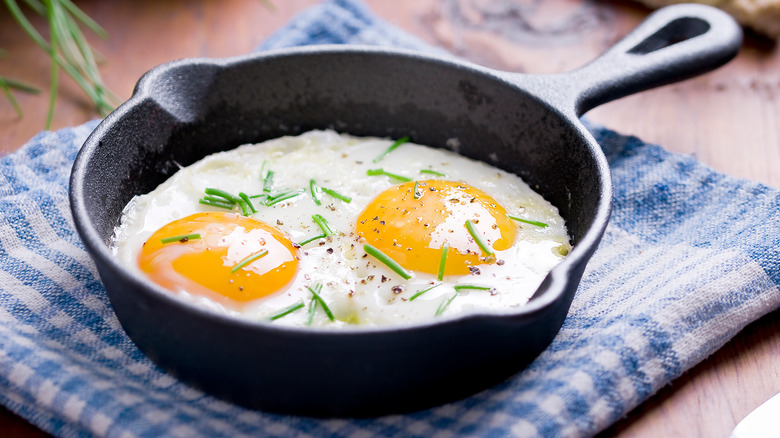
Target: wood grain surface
{"x":728,"y":119}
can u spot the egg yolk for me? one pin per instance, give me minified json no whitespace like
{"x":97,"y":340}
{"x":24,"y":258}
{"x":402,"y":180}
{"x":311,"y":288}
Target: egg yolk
{"x":226,"y":256}
{"x":411,"y":228}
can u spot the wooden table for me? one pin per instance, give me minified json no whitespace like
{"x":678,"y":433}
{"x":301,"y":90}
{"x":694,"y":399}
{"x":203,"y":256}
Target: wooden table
{"x":729,"y":119}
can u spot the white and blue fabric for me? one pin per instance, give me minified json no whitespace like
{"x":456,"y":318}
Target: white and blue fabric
{"x":690,"y":258}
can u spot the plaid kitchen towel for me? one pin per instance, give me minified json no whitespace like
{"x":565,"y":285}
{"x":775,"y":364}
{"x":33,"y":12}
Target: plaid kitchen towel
{"x":690,"y":257}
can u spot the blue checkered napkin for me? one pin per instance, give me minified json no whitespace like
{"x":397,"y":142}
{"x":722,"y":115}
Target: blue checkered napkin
{"x":690,"y":258}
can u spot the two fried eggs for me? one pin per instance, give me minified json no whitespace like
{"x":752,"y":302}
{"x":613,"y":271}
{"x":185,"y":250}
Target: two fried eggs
{"x":326,"y":229}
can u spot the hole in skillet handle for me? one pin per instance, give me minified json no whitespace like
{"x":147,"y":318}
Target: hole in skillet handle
{"x":677,"y":31}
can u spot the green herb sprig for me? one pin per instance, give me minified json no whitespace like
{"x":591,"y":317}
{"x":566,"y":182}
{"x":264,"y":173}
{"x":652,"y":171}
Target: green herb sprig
{"x":312,"y":309}
{"x":287,"y":310}
{"x":527,"y":221}
{"x":460,"y":287}
{"x":312,"y":239}
{"x":316,"y":192}
{"x":477,"y":238}
{"x":445,"y":249}
{"x":222,"y":199}
{"x":392,"y":147}
{"x":432,"y":172}
{"x":446,"y":303}
{"x":283,"y":196}
{"x":420,"y":292}
{"x":248,"y":260}
{"x":68,"y":50}
{"x":180,"y":238}
{"x":337,"y":195}
{"x":323,"y":224}
{"x":316,"y":295}
{"x":376,"y":172}
{"x":387,"y":261}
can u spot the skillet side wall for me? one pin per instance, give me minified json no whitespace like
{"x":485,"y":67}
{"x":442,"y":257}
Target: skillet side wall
{"x":188,"y":110}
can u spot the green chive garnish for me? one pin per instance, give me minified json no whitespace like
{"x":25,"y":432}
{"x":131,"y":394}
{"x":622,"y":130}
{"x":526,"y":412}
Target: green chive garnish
{"x":461,"y":287}
{"x":323,"y":224}
{"x":181,"y":238}
{"x":216,"y":199}
{"x":432,"y":172}
{"x":272,"y":200}
{"x":315,"y":192}
{"x":477,"y":238}
{"x":249,"y":260}
{"x":223,"y":194}
{"x":417,"y":194}
{"x":312,"y":309}
{"x":262,"y":169}
{"x":446,"y":303}
{"x":215,"y":203}
{"x":337,"y":195}
{"x":319,"y":299}
{"x":244,"y":207}
{"x":445,"y":249}
{"x":312,"y":239}
{"x":392,"y":147}
{"x":526,"y":221}
{"x":375,"y":172}
{"x":268,"y":182}
{"x":420,"y":292}
{"x":390,"y":263}
{"x":287,"y":310}
{"x":248,"y":201}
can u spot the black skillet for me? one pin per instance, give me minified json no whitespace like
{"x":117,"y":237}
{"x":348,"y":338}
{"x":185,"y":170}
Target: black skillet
{"x":525,"y":124}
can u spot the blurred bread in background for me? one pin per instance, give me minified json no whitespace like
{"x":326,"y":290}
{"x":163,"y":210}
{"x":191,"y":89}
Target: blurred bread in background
{"x":763,"y":16}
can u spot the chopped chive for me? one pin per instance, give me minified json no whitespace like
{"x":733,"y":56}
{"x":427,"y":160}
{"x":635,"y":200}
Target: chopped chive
{"x":420,"y":292}
{"x":392,"y":147}
{"x":461,"y":287}
{"x":319,"y":299}
{"x":268,"y":182}
{"x":375,"y":172}
{"x":445,"y":249}
{"x":262,"y":170}
{"x":315,"y":192}
{"x":477,"y":238}
{"x":390,"y":263}
{"x":446,"y":303}
{"x":417,"y":194}
{"x":337,"y":195}
{"x":271,"y":200}
{"x":323,"y":224}
{"x":248,"y":260}
{"x":311,"y":310}
{"x":217,"y":199}
{"x":222,"y":194}
{"x":180,"y":238}
{"x":432,"y":172}
{"x":248,"y":201}
{"x":312,"y":239}
{"x":214,"y":203}
{"x":244,"y":207}
{"x":287,"y":310}
{"x":526,"y":221}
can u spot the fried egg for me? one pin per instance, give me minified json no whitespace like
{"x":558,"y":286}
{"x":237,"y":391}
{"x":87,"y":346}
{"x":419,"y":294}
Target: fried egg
{"x":330,"y":230}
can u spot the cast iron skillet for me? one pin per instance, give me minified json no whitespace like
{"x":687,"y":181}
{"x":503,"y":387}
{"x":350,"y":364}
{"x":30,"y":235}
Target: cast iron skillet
{"x":525,"y":124}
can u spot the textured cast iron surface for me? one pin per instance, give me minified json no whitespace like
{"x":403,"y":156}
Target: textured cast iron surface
{"x":527,"y":125}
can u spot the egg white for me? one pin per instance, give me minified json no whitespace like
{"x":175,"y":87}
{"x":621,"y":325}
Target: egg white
{"x":359,"y":290}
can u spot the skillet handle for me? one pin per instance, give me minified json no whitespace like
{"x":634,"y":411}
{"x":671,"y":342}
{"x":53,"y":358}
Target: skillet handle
{"x":672,"y":44}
